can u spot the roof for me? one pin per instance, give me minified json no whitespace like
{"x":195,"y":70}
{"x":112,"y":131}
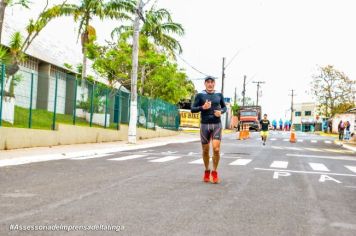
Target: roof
{"x":50,"y":49}
{"x":352,"y":110}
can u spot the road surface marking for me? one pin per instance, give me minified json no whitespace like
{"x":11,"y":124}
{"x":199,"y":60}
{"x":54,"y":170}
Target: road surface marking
{"x":323,"y":178}
{"x":165,"y":159}
{"x":126,"y":158}
{"x":286,"y":140}
{"x":349,"y":158}
{"x":240,"y":162}
{"x":300,"y":140}
{"x":276,"y":174}
{"x":279,"y":164}
{"x":279,"y":148}
{"x":199,"y":161}
{"x":314,"y":150}
{"x":304,"y":172}
{"x":272,"y":139}
{"x":294,"y":148}
{"x":338,"y":151}
{"x":318,"y":166}
{"x":90,"y":157}
{"x":313,"y":141}
{"x":192,"y":153}
{"x":327,"y":141}
{"x":352,"y":168}
{"x":169,"y":152}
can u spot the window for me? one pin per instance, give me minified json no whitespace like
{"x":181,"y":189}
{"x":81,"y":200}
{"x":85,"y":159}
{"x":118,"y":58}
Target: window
{"x":298,"y":113}
{"x":248,"y":113}
{"x":307,"y":113}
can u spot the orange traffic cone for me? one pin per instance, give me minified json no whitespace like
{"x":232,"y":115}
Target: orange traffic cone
{"x":293,"y":137}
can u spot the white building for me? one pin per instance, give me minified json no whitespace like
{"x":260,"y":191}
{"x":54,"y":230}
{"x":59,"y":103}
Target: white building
{"x":306,"y":117}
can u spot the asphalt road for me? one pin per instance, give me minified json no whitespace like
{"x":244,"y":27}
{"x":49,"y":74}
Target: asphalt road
{"x":305,"y":188}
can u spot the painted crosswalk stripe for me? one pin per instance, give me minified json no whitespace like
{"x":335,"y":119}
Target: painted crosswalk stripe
{"x":240,"y":162}
{"x":327,"y":141}
{"x":314,"y":149}
{"x":90,"y":157}
{"x":199,"y":161}
{"x":352,"y":168}
{"x":294,"y":148}
{"x":285,"y":140}
{"x":275,"y":147}
{"x":314,"y":141}
{"x":165,"y":159}
{"x":279,"y":164}
{"x":272,"y":139}
{"x":300,"y":140}
{"x":126,"y":158}
{"x":318,"y":166}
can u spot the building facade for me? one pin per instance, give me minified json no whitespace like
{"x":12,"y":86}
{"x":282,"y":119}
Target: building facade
{"x":306,"y":117}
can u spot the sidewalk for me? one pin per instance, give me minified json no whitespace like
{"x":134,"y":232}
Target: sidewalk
{"x":348,"y":145}
{"x":29,"y":155}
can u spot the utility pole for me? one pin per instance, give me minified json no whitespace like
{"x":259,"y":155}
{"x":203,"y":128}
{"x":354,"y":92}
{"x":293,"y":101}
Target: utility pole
{"x":292,"y":106}
{"x":244,"y":91}
{"x":223,"y":76}
{"x":235,"y":97}
{"x":133,"y":99}
{"x":258,"y":89}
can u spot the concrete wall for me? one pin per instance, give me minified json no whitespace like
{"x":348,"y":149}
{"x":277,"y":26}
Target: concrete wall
{"x":42,"y":86}
{"x":12,"y":138}
{"x":344,"y":117}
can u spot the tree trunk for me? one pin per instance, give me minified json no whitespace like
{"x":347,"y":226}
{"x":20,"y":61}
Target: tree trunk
{"x":84,"y":68}
{"x":3,"y":5}
{"x":133,"y":107}
{"x":143,"y":77}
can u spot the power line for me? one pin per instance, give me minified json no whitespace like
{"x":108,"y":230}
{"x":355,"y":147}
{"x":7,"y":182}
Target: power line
{"x":193,"y":67}
{"x":233,"y":58}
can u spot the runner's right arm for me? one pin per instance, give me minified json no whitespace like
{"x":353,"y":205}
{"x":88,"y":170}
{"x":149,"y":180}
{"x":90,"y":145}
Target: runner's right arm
{"x":197,"y":107}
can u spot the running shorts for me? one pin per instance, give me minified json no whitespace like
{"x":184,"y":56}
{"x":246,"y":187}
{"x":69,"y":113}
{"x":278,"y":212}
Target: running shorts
{"x":210,"y":132}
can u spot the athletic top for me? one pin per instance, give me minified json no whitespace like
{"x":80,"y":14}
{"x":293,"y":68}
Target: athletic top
{"x":217,"y":103}
{"x":264,"y":123}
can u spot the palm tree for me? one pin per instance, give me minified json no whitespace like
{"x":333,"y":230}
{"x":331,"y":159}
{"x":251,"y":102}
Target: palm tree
{"x":85,"y":11}
{"x":159,"y":27}
{"x":6,"y":3}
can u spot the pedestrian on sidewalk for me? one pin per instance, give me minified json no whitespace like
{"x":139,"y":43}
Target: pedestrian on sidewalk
{"x":211,"y":105}
{"x":341,"y":129}
{"x":274,"y":124}
{"x":347,"y":130}
{"x":281,"y":124}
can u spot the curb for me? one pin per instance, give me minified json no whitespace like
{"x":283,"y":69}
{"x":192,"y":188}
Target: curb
{"x":345,"y":145}
{"x":61,"y":156}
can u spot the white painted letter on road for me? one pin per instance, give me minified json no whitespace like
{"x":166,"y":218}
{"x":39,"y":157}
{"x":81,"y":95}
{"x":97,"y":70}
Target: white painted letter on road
{"x":276,"y":174}
{"x":326,"y":177}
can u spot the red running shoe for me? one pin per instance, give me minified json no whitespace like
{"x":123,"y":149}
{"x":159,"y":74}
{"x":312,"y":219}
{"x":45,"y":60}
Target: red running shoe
{"x":206,"y":176}
{"x":214,"y":177}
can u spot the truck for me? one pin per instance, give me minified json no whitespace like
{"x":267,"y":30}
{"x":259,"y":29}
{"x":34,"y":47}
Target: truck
{"x":250,"y":115}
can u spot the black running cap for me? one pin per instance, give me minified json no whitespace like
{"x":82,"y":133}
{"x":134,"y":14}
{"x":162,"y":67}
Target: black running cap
{"x":209,"y":78}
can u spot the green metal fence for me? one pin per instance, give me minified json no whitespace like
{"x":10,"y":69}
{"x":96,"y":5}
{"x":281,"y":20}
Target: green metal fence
{"x":42,"y":99}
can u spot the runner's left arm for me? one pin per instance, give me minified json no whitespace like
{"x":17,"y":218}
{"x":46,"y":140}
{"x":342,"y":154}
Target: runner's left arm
{"x":196,"y":107}
{"x":223,"y":105}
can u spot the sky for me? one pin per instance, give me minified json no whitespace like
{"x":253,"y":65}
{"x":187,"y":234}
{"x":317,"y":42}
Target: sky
{"x":280,"y":42}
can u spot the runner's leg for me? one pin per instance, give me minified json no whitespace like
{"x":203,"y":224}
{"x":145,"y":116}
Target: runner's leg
{"x":216,"y":156}
{"x":206,"y":157}
{"x":205,"y":140}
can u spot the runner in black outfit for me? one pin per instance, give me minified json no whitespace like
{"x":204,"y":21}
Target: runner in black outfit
{"x":211,"y":105}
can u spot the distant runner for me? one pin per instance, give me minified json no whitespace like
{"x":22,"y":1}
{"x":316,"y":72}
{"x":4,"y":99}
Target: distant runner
{"x":264,"y":125}
{"x":211,"y":105}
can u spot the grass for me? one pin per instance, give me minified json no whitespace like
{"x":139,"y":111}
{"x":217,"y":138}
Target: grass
{"x":42,"y":119}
